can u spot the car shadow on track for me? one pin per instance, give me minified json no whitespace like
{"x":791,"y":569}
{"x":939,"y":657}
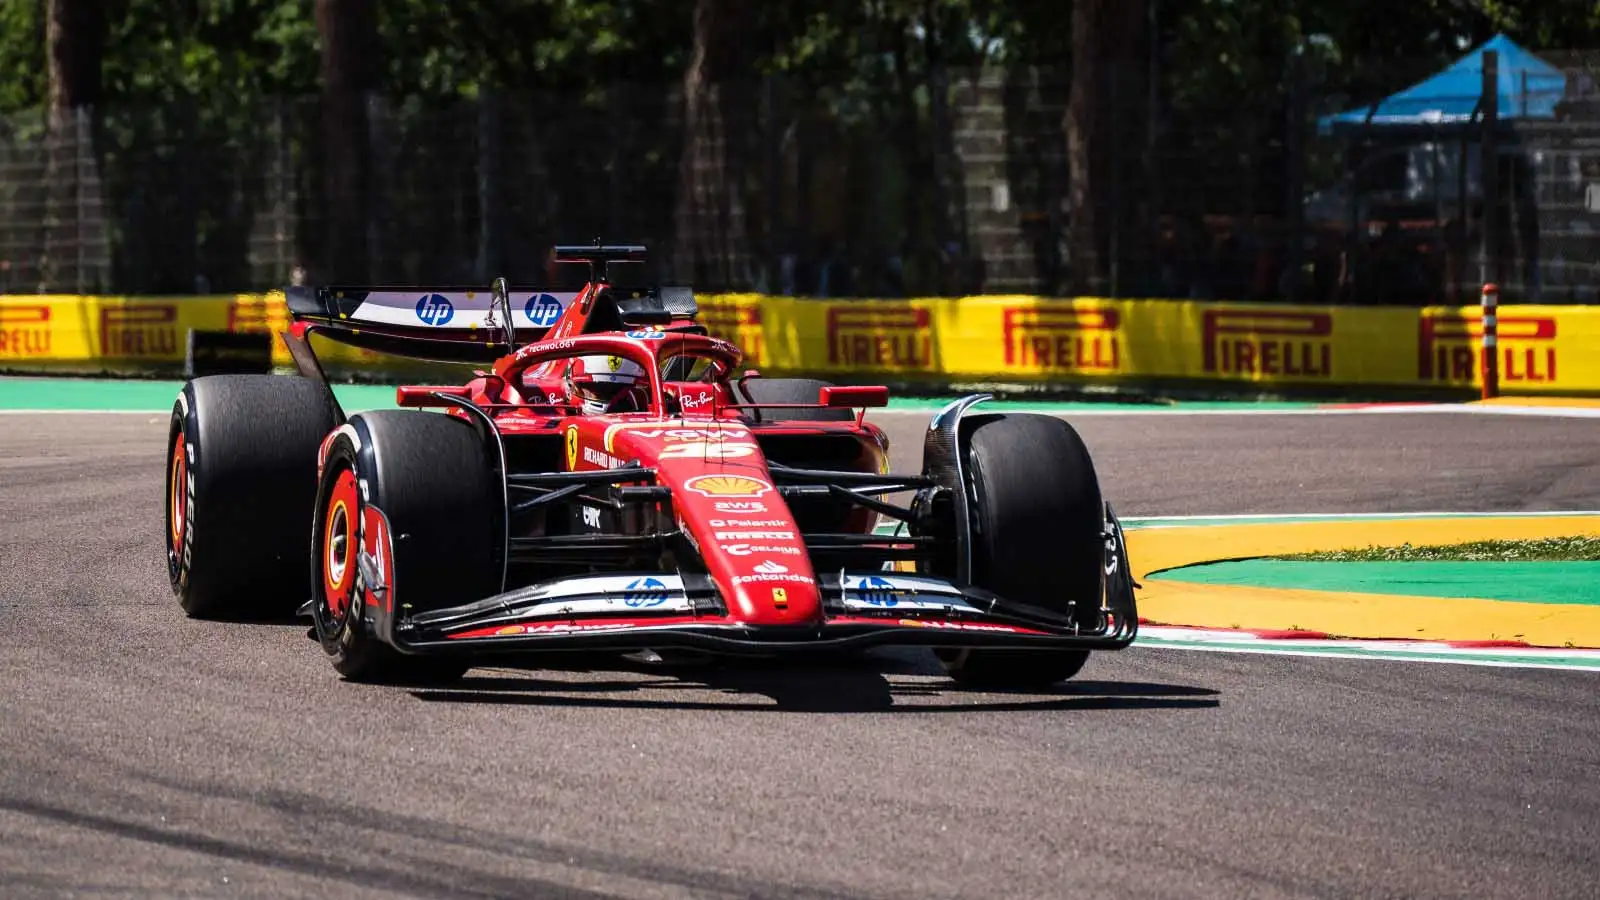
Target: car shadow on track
{"x":872,"y":684}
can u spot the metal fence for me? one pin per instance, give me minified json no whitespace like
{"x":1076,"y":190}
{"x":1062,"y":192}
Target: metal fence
{"x":959,"y":184}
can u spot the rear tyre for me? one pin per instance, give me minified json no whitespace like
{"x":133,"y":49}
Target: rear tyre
{"x":241,"y":484}
{"x":428,"y":476}
{"x":791,"y":390}
{"x":1037,"y":520}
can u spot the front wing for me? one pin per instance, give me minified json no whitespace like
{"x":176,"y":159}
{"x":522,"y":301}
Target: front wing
{"x":672,"y":611}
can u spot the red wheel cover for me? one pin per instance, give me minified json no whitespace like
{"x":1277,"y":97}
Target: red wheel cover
{"x":178,"y":495}
{"x":340,"y":543}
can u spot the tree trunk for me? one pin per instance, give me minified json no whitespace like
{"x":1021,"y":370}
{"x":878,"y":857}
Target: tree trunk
{"x":74,"y":45}
{"x":711,"y":241}
{"x":1105,"y":121}
{"x":349,"y":32}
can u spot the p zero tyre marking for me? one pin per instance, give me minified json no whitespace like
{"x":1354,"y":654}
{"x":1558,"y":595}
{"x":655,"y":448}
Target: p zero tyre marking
{"x":339,"y":544}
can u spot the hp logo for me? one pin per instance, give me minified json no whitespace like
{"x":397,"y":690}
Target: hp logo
{"x":876,"y":591}
{"x":434,"y":310}
{"x":543,"y":310}
{"x":644,"y":592}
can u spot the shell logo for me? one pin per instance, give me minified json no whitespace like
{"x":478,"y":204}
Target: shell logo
{"x":724,"y":486}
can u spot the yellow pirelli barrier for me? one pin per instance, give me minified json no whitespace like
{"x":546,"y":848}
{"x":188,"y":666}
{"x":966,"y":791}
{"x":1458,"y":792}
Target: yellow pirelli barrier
{"x":1543,"y":349}
{"x":1015,"y":339}
{"x":142,"y":335}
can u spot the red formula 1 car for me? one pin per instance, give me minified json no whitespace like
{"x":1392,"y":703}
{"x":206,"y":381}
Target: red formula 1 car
{"x":619,"y":483}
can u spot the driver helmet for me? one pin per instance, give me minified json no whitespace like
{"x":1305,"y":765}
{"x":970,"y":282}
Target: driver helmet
{"x":597,"y":383}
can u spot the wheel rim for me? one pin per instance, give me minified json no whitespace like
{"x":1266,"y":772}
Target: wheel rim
{"x":177,"y":496}
{"x":339,"y":546}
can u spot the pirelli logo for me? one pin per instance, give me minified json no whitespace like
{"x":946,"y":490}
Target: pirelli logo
{"x":1450,"y":348}
{"x":1062,"y":339}
{"x":257,"y":315}
{"x":24,"y":330}
{"x":738,"y":324}
{"x":143,"y":330}
{"x":891,"y":336}
{"x":1267,"y":342}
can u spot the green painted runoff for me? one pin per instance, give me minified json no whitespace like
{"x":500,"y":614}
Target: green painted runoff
{"x":1523,"y":582}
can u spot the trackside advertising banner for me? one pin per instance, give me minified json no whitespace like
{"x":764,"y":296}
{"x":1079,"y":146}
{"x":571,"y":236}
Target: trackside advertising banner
{"x":1542,"y":349}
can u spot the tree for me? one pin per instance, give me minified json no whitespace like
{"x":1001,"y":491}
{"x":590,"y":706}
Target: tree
{"x":1104,"y":147}
{"x":712,"y":244}
{"x":74,"y":45}
{"x":350,"y":70}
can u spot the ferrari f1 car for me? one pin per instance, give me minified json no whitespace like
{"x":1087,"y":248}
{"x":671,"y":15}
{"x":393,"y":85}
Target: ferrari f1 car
{"x":611,"y":479}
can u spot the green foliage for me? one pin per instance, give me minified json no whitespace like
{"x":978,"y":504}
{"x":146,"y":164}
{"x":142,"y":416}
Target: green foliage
{"x":1578,"y":548}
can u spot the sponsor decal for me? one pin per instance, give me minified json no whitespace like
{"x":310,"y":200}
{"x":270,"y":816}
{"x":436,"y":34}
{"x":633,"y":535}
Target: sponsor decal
{"x":643,"y":593}
{"x":591,"y":517}
{"x":144,"y":330}
{"x":693,"y":402}
{"x":1061,"y":339}
{"x":955,"y":626}
{"x":752,"y":549}
{"x":24,"y":331}
{"x":727,"y":486}
{"x":572,"y":447}
{"x":754,"y":535}
{"x":763,"y":578}
{"x":750,"y":523}
{"x":652,"y":432}
{"x":1259,"y":342}
{"x":1450,"y":348}
{"x":707,"y":450}
{"x":556,"y":627}
{"x":603,"y":460}
{"x":876,"y":591}
{"x":435,"y":310}
{"x":780,"y":597}
{"x":651,"y":335}
{"x":542,"y":310}
{"x":880,"y":336}
{"x":733,"y":507}
{"x":771,"y":568}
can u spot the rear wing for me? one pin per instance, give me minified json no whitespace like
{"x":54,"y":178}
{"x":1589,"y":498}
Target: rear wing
{"x":440,"y":324}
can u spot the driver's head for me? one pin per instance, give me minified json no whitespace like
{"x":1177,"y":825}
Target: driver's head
{"x":598,"y":383}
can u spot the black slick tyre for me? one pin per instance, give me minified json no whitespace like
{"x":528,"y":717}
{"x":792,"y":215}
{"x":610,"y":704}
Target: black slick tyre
{"x":428,"y":476}
{"x":1037,"y":519}
{"x":790,"y":390}
{"x":241,"y":483}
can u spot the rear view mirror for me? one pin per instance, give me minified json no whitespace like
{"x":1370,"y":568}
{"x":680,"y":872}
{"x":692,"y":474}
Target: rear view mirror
{"x":853,"y":396}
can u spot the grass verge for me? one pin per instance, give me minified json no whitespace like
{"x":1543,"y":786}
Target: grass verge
{"x":1577,"y":548}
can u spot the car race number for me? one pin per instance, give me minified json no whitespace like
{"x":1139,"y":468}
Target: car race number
{"x":707,"y":450}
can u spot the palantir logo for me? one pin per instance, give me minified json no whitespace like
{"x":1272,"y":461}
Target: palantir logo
{"x":542,"y":310}
{"x":435,"y":309}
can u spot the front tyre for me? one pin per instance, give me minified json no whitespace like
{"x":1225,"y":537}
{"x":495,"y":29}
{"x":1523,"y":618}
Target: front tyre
{"x":241,"y":484}
{"x":1037,"y":524}
{"x":413,"y":493}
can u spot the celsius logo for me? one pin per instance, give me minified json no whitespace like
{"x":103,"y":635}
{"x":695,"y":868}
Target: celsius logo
{"x":543,"y":310}
{"x":434,"y":309}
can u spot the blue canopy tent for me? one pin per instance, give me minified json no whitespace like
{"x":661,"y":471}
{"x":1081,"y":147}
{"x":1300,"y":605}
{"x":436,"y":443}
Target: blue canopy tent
{"x":1529,"y":88}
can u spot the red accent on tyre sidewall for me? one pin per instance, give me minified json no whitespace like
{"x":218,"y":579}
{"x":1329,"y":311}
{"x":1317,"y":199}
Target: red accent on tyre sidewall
{"x":177,"y":496}
{"x":340,"y":543}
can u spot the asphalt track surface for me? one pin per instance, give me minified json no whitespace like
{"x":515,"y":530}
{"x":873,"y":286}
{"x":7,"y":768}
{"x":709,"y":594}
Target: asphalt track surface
{"x":146,"y":755}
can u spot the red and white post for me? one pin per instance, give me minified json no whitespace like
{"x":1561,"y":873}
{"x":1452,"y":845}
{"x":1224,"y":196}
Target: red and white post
{"x":1491,"y":342}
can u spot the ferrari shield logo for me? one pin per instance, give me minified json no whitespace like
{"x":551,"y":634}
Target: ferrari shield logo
{"x":780,"y":597}
{"x":572,"y":447}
